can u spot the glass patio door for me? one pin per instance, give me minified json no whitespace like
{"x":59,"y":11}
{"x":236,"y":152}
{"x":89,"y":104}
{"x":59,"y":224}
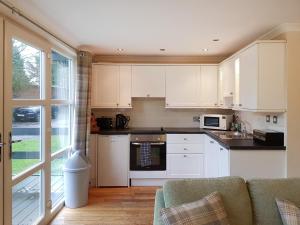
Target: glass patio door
{"x":1,"y":120}
{"x":26,"y":109}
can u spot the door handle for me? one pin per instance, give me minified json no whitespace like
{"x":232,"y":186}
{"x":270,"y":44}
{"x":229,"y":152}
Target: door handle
{"x":1,"y":145}
{"x":10,"y":142}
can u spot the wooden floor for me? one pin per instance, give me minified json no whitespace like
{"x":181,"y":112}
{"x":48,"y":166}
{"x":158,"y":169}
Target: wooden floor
{"x":112,"y":206}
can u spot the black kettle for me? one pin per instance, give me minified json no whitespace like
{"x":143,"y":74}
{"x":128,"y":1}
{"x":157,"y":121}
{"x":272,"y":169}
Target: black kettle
{"x":121,"y":121}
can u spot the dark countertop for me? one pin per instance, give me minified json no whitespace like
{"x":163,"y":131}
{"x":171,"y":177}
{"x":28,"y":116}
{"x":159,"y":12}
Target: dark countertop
{"x":232,"y":144}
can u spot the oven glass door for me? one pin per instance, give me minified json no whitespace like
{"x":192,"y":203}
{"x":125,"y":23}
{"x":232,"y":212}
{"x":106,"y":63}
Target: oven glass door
{"x":211,"y":121}
{"x":155,"y":159}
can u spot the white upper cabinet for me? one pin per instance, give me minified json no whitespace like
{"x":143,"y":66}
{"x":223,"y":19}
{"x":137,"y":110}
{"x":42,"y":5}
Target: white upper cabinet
{"x":148,"y":81}
{"x":182,"y":86}
{"x":260,"y":77}
{"x":125,"y":87}
{"x":111,"y":86}
{"x":209,"y":86}
{"x":105,"y":80}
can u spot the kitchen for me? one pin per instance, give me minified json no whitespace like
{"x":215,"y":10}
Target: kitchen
{"x":174,"y":107}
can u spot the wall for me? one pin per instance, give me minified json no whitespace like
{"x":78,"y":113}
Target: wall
{"x":257,"y":120}
{"x":152,"y":113}
{"x":293,"y":102}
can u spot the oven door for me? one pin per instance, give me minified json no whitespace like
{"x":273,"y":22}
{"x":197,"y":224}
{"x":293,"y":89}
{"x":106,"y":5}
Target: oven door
{"x":155,"y":160}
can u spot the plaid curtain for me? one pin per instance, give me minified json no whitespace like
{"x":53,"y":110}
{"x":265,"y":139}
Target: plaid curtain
{"x":82,"y":102}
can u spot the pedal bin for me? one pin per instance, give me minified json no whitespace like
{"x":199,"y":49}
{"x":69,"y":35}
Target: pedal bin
{"x":76,"y":178}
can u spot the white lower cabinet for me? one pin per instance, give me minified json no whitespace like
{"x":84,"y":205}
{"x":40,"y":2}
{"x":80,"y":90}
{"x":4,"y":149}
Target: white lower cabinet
{"x":185,"y":155}
{"x":216,"y":159}
{"x":113,"y":160}
{"x":223,"y":159}
{"x":185,"y":165}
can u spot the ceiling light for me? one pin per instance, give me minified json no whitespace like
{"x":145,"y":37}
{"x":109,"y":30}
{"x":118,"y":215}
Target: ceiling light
{"x":205,"y":49}
{"x":162,"y":49}
{"x":216,"y":39}
{"x":120,"y":49}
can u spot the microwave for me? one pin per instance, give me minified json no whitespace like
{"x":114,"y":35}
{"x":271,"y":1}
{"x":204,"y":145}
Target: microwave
{"x":216,"y":121}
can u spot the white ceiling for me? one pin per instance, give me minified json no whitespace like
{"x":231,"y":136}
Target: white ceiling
{"x":142,"y":27}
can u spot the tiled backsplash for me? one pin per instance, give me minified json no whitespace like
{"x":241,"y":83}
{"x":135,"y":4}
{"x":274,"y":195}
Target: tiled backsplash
{"x":257,"y":120}
{"x":152,"y":113}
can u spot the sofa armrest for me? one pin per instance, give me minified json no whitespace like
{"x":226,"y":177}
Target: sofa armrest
{"x":159,"y":203}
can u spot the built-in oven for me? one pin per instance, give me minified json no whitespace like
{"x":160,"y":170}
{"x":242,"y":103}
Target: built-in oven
{"x":148,"y":152}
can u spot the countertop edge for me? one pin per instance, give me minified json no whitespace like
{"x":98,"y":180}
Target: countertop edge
{"x":192,"y":131}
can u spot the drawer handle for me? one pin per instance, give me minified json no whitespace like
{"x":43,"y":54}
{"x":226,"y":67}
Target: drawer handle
{"x":185,"y":139}
{"x":211,"y":142}
{"x":185,"y":149}
{"x":221,"y":149}
{"x":184,"y":156}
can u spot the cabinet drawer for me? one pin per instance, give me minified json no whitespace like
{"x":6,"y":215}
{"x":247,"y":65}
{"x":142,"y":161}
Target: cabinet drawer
{"x":185,"y":165}
{"x":185,"y":138}
{"x":185,"y":148}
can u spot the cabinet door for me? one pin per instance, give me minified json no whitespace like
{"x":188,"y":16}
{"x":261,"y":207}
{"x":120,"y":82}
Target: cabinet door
{"x":182,"y":86}
{"x":223,"y":162}
{"x":185,"y":165}
{"x":125,"y":87}
{"x":209,"y":86}
{"x":248,"y":78}
{"x":228,"y":78}
{"x":211,"y":158}
{"x":92,"y":156}
{"x":148,"y":81}
{"x":113,"y":160}
{"x":105,"y":85}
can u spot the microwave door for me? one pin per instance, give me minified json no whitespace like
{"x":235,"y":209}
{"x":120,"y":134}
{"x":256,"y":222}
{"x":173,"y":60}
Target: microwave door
{"x":211,"y":121}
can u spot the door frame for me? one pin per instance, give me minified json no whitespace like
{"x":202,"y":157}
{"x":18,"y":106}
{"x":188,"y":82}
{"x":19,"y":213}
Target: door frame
{"x":1,"y":121}
{"x":12,"y":30}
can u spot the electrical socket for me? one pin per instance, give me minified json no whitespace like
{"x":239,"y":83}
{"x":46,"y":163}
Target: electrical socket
{"x":275,"y":119}
{"x":268,"y":118}
{"x":196,"y":118}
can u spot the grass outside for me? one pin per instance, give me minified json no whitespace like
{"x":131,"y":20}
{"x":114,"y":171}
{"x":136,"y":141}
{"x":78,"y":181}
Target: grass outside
{"x":33,"y":145}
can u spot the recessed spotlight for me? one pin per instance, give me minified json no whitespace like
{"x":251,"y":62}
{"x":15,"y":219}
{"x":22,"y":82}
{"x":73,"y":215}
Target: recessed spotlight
{"x":162,"y":49}
{"x":205,"y":49}
{"x":120,"y":49}
{"x":216,"y":39}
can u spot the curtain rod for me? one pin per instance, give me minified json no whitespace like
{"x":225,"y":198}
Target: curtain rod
{"x":19,"y":13}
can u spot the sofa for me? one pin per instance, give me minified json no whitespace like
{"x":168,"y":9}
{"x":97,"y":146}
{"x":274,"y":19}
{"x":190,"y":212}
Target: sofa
{"x":246,"y":202}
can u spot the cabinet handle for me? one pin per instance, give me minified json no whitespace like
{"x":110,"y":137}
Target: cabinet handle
{"x":185,"y":149}
{"x":216,"y":104}
{"x":231,"y":93}
{"x":167,"y":104}
{"x":211,"y":142}
{"x":221,"y":149}
{"x":148,"y":95}
{"x":185,"y":139}
{"x":117,"y":104}
{"x":240,"y":104}
{"x":232,"y":104}
{"x":129,"y":104}
{"x":184,"y":156}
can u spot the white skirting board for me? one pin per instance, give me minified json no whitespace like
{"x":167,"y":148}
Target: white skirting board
{"x":148,"y":182}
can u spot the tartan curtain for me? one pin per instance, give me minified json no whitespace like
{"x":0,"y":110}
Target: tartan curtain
{"x":82,"y":102}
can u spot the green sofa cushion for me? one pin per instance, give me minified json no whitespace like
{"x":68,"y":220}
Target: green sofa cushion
{"x":159,"y":203}
{"x":263,"y":193}
{"x":233,"y":190}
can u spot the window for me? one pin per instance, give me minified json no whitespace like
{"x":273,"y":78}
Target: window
{"x":61,"y":112}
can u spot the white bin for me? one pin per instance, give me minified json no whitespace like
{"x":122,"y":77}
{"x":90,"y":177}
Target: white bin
{"x":76,"y":177}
